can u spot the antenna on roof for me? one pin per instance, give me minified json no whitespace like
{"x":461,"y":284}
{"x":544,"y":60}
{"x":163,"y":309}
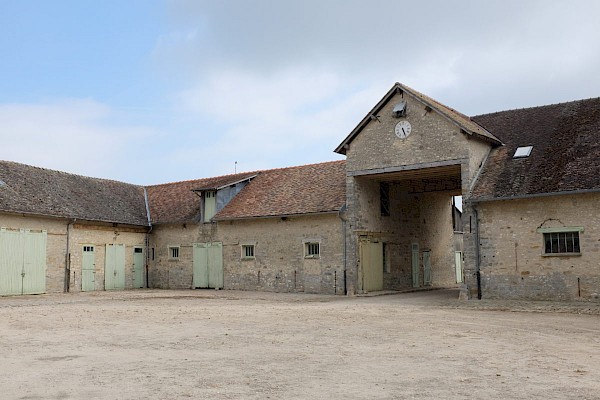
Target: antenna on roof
{"x":235,"y":168}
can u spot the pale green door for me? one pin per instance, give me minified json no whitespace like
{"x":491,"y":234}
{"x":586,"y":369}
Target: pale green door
{"x":371,"y":261}
{"x":215,"y":265}
{"x":208,"y":265}
{"x":426,"y":268}
{"x":114,"y":268}
{"x":415,"y":265}
{"x":22,"y":262}
{"x":458,"y":266}
{"x":88,"y":269}
{"x":138,"y":267}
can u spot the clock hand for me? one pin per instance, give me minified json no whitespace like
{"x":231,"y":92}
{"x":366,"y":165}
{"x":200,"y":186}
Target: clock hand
{"x":403,"y":131}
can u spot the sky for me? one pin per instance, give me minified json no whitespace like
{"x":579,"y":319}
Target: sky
{"x":153,"y":91}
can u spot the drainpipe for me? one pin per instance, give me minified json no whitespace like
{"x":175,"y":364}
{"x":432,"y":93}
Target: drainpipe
{"x":67,"y":286}
{"x":477,"y":264}
{"x":343,"y":219}
{"x":147,"y":236}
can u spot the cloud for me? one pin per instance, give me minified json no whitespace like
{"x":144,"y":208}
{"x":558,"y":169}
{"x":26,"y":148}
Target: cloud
{"x":74,"y":135}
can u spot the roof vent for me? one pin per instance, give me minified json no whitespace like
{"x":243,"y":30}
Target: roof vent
{"x":523,"y":151}
{"x":400,"y":110}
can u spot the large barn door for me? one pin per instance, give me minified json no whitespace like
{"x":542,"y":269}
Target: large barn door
{"x":22,"y":262}
{"x":34,"y":263}
{"x":114,"y":269}
{"x":371,"y":261}
{"x":208,"y":265}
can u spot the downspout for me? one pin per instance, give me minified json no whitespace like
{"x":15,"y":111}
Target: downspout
{"x":67,"y":285}
{"x":343,"y":219}
{"x":477,"y":264}
{"x":147,"y":236}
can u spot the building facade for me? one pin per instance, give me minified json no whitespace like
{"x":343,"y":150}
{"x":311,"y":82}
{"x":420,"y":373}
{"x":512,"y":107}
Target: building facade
{"x":503,"y":205}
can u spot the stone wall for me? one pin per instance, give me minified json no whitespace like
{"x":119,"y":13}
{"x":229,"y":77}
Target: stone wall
{"x":166,"y":272}
{"x":280,"y":264}
{"x":80,"y":234}
{"x":512,"y":262}
{"x":434,"y":141}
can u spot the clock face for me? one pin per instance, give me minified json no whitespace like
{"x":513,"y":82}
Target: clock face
{"x":403,"y":129}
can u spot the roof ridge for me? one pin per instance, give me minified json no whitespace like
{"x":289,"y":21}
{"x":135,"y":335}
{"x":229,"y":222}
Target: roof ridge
{"x":535,"y":107}
{"x":258,"y":171}
{"x":70,"y":173}
{"x":202,"y":179}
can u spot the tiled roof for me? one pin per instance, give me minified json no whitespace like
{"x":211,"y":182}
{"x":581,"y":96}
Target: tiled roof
{"x":39,"y":191}
{"x":315,"y":188}
{"x":465,"y":123}
{"x":565,"y":155}
{"x":176,"y":202}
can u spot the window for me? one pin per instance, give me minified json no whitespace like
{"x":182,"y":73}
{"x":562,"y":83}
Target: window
{"x":312,"y":250}
{"x":174,"y":252}
{"x":247,"y":251}
{"x":384,"y":198}
{"x":522,"y":152}
{"x":88,"y":249}
{"x":561,"y":240}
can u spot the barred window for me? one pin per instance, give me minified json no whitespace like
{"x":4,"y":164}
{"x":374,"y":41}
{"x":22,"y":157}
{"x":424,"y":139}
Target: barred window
{"x":561,"y":242}
{"x":174,"y":252}
{"x":248,"y":251}
{"x":311,"y":250}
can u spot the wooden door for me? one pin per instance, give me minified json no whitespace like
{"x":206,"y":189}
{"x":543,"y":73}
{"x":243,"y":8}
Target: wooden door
{"x":426,"y":268}
{"x":114,"y":269}
{"x":415,"y":265}
{"x":208,"y":265}
{"x":88,"y":269}
{"x":458,"y":266}
{"x":371,"y":261}
{"x":22,"y":262}
{"x":138,"y":267}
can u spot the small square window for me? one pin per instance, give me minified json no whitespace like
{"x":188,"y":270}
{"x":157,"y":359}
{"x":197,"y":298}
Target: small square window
{"x":312,"y":250}
{"x":88,"y":249}
{"x":174,"y":252}
{"x":247,"y":251}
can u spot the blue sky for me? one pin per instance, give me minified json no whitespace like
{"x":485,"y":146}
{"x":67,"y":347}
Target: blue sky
{"x":158,"y":91}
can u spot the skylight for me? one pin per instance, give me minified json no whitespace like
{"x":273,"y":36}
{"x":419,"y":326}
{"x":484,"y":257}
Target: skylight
{"x":523,"y":152}
{"x":2,"y":183}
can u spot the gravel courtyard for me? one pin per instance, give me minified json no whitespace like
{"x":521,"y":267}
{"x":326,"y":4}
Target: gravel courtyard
{"x":153,"y":344}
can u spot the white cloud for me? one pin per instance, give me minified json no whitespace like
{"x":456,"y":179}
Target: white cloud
{"x":74,"y":135}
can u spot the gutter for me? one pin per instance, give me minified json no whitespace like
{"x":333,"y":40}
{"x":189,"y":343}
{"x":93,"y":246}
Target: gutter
{"x":477,"y":263}
{"x":68,"y":258}
{"x":344,"y":220}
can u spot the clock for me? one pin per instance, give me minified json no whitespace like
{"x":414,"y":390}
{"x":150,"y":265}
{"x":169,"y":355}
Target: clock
{"x":403,"y":129}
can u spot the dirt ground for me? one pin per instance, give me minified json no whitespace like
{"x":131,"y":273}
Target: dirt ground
{"x":153,"y":344}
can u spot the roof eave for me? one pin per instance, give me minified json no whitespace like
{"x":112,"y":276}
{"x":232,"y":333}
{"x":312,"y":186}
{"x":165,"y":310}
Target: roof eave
{"x":488,"y":199}
{"x":216,"y":219}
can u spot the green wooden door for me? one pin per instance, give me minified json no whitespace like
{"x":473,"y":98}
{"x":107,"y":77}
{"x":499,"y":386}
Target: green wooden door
{"x":114,"y":267}
{"x":426,"y":268}
{"x":371,"y":261}
{"x":22,"y":262}
{"x":138,"y":267}
{"x":208,"y":265}
{"x":215,"y":265}
{"x":88,"y":269}
{"x":415,"y":265}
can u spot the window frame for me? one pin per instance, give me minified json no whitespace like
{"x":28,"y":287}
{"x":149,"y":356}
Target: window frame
{"x":171,"y":249}
{"x":310,"y":244}
{"x":243,"y":251}
{"x":555,"y":234}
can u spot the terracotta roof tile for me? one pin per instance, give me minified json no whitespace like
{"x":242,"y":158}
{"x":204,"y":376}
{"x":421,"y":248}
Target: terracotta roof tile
{"x":565,"y":155}
{"x":39,"y":191}
{"x":315,"y":188}
{"x":176,"y":202}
